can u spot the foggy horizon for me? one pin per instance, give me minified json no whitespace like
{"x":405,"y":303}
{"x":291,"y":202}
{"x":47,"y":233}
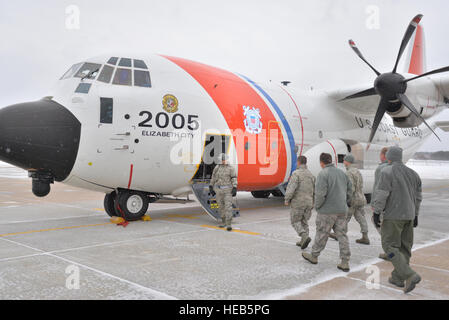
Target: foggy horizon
{"x":303,"y":42}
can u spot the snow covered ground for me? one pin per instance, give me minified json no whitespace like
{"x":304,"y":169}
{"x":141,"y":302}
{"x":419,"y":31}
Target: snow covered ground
{"x":181,"y":254}
{"x":431,"y":169}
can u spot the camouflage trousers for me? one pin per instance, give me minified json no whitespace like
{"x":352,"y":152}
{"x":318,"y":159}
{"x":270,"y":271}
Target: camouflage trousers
{"x":299,"y":218}
{"x":324,"y":224}
{"x":224,"y":201}
{"x":359,"y":215}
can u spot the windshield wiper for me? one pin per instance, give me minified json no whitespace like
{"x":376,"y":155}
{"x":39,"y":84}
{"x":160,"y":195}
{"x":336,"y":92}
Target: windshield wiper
{"x":90,"y":74}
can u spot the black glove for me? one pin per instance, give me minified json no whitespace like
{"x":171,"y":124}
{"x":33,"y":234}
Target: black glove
{"x":415,"y":223}
{"x":234,"y":191}
{"x":212,"y":191}
{"x":376,"y":220}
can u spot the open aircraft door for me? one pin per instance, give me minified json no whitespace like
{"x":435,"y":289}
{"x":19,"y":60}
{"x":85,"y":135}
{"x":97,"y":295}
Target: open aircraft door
{"x":213,"y":146}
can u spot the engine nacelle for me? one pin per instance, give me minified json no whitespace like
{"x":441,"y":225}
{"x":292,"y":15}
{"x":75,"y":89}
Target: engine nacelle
{"x":404,"y":118}
{"x":366,"y":160}
{"x":407,"y":122}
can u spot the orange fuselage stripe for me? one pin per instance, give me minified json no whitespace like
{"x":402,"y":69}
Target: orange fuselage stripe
{"x":230,"y":93}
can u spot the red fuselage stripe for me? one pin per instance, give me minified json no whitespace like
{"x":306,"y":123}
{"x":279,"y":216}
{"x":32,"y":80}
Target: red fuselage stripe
{"x":130,"y":176}
{"x":335,"y":152}
{"x":230,"y":94}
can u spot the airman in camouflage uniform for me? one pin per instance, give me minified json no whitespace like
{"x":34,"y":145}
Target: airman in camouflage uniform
{"x":300,"y":193}
{"x":223,"y":184}
{"x":358,"y":201}
{"x":332,"y":194}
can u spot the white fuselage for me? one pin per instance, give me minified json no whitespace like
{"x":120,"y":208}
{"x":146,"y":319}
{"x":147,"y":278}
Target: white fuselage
{"x":150,"y":149}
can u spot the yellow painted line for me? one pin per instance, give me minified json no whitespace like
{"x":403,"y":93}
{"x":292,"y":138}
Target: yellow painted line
{"x":99,"y":209}
{"x":255,"y":208}
{"x":54,"y":229}
{"x":165,"y":219}
{"x":436,"y":188}
{"x":185,"y":216}
{"x":246,"y":232}
{"x":233,"y":230}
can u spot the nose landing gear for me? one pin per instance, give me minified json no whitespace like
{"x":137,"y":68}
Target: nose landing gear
{"x":41,"y":183}
{"x":128,"y":204}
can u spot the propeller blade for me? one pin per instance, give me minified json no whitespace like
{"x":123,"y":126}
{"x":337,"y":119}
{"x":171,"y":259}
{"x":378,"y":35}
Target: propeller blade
{"x":357,"y":51}
{"x":377,"y":118}
{"x":445,"y":69}
{"x":407,"y":103}
{"x":364,"y":93}
{"x":408,"y":34}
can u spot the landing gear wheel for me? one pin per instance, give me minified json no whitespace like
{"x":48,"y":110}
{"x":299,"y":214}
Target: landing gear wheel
{"x":109,"y":200}
{"x":40,"y":188}
{"x":260,"y":194}
{"x":133,"y":205}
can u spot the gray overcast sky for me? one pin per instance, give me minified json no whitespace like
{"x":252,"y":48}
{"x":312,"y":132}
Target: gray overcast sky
{"x":301,"y":41}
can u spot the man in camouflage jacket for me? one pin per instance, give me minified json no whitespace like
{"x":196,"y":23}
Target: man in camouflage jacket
{"x":300,"y":193}
{"x":223,"y":184}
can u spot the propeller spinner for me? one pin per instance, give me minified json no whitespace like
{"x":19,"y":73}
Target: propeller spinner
{"x":391,"y":86}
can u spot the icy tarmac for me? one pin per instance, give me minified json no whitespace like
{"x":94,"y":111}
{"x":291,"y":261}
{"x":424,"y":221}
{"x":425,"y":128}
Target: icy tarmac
{"x":180,"y":254}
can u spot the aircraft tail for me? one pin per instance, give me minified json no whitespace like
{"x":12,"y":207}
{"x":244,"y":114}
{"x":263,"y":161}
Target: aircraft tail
{"x":416,"y":57}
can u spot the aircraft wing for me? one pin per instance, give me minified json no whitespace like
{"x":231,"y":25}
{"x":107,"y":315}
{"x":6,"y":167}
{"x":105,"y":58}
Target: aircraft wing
{"x":364,"y":106}
{"x":367,"y":105}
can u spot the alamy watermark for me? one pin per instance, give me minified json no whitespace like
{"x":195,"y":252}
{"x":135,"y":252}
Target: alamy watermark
{"x":262,"y":149}
{"x":72,"y":20}
{"x":372,"y":21}
{"x":373,"y":280}
{"x":72,"y":281}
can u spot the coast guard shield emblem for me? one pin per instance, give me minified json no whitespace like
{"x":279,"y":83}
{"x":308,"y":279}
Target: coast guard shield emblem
{"x":252,"y":121}
{"x":170,"y":103}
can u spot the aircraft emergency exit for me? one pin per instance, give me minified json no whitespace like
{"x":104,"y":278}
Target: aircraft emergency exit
{"x":141,"y":128}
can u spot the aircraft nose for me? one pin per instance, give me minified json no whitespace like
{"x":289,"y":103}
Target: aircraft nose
{"x":41,"y":136}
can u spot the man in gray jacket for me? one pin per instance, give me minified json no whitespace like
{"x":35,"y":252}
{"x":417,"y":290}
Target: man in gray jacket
{"x":358,"y":200}
{"x":332,"y":195}
{"x":399,"y":197}
{"x":383,"y":163}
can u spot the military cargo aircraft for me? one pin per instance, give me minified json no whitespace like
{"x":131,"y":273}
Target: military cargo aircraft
{"x":143,"y":128}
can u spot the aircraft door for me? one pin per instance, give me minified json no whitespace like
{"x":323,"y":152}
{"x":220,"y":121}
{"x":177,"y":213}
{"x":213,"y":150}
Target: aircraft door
{"x":213,"y":146}
{"x":115,"y":127}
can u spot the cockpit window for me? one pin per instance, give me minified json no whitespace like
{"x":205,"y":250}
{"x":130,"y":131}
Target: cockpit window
{"x":106,"y":74}
{"x":88,"y":70}
{"x":113,"y":60}
{"x":125,"y":62}
{"x":123,"y":77}
{"x":83,"y":88}
{"x":140,"y":64}
{"x":126,"y":71}
{"x":142,"y":78}
{"x":73,"y":69}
